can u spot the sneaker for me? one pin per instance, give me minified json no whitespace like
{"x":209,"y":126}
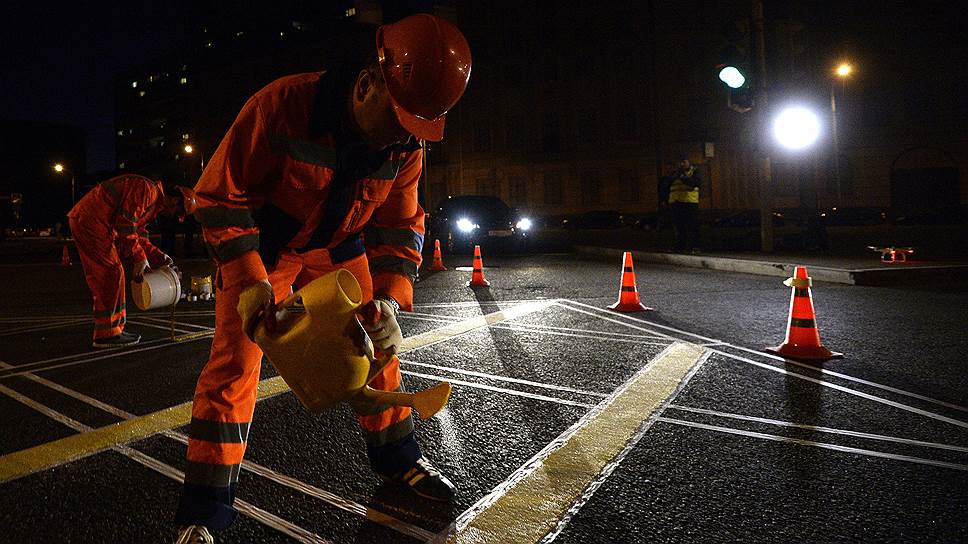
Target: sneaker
{"x":194,"y":534}
{"x":122,"y":340}
{"x":426,"y":481}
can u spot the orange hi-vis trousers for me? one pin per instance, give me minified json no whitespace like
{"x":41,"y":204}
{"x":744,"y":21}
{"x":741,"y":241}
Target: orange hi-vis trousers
{"x":105,"y":277}
{"x":225,"y":397}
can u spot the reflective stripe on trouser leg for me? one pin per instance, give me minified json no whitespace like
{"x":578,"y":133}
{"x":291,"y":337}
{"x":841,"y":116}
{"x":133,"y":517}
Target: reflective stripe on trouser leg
{"x":105,"y":277}
{"x":221,"y":414}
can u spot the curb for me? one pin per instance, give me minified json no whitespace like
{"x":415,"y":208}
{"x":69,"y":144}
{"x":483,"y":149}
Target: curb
{"x":866,"y":276}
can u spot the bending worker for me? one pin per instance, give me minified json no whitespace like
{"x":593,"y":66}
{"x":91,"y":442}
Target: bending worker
{"x":121,"y":205}
{"x":319,"y":172}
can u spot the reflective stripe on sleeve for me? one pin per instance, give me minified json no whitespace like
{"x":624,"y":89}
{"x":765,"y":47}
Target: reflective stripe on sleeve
{"x":392,"y":263}
{"x":397,"y":237}
{"x":219,"y":217}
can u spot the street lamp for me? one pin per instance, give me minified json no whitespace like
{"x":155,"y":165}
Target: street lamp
{"x":59,"y":168}
{"x":842,"y":71}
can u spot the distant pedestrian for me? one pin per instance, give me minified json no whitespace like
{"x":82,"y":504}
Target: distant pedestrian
{"x":684,"y":203}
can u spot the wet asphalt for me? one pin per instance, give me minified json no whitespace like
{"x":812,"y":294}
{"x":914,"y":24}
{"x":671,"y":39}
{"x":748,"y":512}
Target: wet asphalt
{"x":869,"y":448}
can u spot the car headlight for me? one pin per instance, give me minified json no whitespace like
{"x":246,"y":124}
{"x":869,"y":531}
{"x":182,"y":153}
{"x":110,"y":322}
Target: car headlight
{"x":465,"y":225}
{"x":524,"y":224}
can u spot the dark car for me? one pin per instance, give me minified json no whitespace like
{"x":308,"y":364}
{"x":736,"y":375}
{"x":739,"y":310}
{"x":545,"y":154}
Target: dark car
{"x":460,"y":222}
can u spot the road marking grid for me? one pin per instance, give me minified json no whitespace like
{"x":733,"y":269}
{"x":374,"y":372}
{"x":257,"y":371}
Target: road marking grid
{"x":457,"y":329}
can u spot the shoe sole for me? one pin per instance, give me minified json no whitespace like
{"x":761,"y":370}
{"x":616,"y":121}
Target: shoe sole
{"x":109,"y":346}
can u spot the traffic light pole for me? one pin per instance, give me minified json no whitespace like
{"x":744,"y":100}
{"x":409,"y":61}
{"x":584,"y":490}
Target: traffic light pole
{"x":761,"y":131}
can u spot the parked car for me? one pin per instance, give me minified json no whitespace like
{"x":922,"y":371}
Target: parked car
{"x":460,"y":222}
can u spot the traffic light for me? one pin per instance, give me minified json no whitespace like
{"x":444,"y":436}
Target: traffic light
{"x":733,"y":62}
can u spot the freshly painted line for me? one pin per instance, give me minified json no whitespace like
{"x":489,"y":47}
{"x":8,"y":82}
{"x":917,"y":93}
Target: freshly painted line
{"x":505,"y":379}
{"x":527,"y":506}
{"x":824,"y":445}
{"x":776,"y":357}
{"x":334,"y":500}
{"x":535,"y":326}
{"x":831,"y":385}
{"x":829,"y":430}
{"x":161,"y":321}
{"x":142,"y":323}
{"x":260,"y":515}
{"x":28,"y":461}
{"x":499,"y":389}
{"x":593,"y":487}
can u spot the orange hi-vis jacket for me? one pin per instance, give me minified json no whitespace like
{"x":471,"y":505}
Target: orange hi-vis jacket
{"x":123,"y":205}
{"x":290,"y":175}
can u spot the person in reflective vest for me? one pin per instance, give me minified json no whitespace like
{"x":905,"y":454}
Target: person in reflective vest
{"x":684,"y":205}
{"x":318,"y":172}
{"x":119,"y":208}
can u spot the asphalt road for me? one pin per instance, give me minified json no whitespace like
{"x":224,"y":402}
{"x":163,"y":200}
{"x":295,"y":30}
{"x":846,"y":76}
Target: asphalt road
{"x":549,"y":434}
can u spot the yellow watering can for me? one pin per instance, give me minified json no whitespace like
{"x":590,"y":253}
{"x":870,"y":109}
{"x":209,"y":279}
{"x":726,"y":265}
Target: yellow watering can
{"x":322,"y":352}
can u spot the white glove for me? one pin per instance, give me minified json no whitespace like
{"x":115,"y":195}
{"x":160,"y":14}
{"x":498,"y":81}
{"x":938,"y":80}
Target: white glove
{"x":167,"y":260}
{"x":138,"y":270}
{"x":257,"y":302}
{"x":380,"y":323}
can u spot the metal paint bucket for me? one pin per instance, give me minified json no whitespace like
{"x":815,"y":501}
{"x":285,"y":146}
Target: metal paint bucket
{"x":161,"y":287}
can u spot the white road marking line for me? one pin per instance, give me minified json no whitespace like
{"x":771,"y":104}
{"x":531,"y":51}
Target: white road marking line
{"x":527,"y":328}
{"x":778,"y":358}
{"x":46,"y":326}
{"x":117,"y":352}
{"x":181,"y":323}
{"x":540,"y":328}
{"x":258,"y":514}
{"x":610,"y":468}
{"x":830,"y":430}
{"x":334,"y":500}
{"x":831,"y":385}
{"x":498,"y":389}
{"x":505,"y":379}
{"x":824,"y":445}
{"x":167,"y":328}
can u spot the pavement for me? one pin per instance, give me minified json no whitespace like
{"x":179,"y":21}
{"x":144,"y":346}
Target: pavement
{"x":568,"y":422}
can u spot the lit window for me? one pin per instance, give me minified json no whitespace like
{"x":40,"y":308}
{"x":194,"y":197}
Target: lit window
{"x":185,"y":136}
{"x":151,"y":78}
{"x":121,"y":132}
{"x":141,"y":93}
{"x":351,"y":12}
{"x":183,"y":80}
{"x":130,"y":130}
{"x":120,"y":166}
{"x":134,"y":84}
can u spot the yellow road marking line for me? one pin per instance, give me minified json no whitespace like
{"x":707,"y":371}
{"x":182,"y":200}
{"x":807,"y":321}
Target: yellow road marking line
{"x":71,"y":448}
{"x":533,"y":506}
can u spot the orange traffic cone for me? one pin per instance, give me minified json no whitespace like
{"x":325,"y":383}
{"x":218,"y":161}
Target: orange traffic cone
{"x":628,"y":295}
{"x":802,"y":337}
{"x":66,"y":258}
{"x":477,"y":276}
{"x":438,"y":262}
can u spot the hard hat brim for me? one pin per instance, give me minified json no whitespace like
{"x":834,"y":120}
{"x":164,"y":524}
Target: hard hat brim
{"x":424,"y":129}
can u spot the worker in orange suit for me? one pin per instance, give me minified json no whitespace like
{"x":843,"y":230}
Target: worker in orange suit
{"x":119,"y":208}
{"x":319,"y":172}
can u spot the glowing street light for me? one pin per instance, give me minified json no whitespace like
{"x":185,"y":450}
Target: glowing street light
{"x":732,"y":77}
{"x":844,"y":70}
{"x":189,"y":149}
{"x":796,"y":127}
{"x":59,"y":168}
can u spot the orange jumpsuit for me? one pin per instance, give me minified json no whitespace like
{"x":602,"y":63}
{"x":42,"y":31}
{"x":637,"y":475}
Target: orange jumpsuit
{"x":292,"y":194}
{"x":119,"y":207}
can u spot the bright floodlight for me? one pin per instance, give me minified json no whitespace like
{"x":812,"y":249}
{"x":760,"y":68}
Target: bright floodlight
{"x":732,"y":77}
{"x":796,"y":127}
{"x":524,"y":224}
{"x":58,"y":167}
{"x":189,"y":148}
{"x":844,"y":70}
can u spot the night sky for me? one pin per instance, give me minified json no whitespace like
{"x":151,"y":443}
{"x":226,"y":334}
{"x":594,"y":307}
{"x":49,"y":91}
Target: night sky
{"x":58,"y":63}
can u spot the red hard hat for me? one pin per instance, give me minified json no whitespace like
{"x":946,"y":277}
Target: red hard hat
{"x":426,"y":63}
